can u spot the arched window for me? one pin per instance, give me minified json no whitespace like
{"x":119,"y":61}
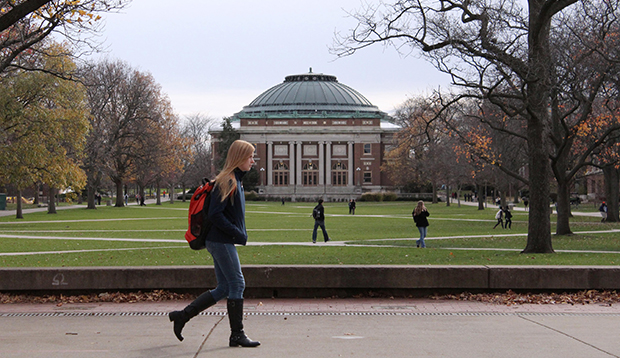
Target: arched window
{"x":339,"y":174}
{"x":310,"y":174}
{"x":280,"y":174}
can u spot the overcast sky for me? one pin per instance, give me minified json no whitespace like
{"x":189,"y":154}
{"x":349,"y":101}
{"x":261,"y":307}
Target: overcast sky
{"x":214,"y":57}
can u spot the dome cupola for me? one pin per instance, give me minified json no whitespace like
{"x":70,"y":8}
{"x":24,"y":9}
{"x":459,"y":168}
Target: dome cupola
{"x":310,"y":94}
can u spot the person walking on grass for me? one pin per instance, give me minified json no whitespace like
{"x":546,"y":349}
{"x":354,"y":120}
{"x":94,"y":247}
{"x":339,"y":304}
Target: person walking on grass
{"x":508,"y":217}
{"x":499,"y":216}
{"x":318,"y":213}
{"x":420,"y":215}
{"x":603,"y":210}
{"x":227,"y":213}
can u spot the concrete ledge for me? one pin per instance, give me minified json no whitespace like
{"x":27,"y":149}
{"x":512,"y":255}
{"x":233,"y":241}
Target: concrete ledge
{"x":366,"y":277}
{"x":105,"y":278}
{"x":554,"y":277}
{"x":302,"y":280}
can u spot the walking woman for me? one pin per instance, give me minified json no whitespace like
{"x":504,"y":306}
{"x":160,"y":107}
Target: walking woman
{"x":420,"y":215}
{"x":500,"y":218}
{"x":227,"y":213}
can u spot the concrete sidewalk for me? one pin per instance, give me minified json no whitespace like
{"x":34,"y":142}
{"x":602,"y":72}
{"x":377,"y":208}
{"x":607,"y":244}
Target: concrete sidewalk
{"x":315,"y":328}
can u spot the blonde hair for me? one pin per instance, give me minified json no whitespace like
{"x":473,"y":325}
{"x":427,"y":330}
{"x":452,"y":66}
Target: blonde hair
{"x":237,"y":154}
{"x":418,"y":209}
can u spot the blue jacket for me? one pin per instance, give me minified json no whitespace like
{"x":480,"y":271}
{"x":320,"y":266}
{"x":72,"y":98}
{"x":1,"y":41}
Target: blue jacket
{"x":228,"y":216}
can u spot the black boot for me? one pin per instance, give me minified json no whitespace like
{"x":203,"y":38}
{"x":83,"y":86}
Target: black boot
{"x":180,"y":318}
{"x":235,"y":316}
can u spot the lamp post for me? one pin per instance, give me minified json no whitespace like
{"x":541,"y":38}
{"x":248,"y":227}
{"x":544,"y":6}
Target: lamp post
{"x":358,"y":175}
{"x":262,"y":170}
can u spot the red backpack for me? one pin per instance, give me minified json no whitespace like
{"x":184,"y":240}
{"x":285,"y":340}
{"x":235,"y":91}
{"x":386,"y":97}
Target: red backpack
{"x":199,"y":223}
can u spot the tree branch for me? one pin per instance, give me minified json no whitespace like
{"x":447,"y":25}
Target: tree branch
{"x":20,"y":11}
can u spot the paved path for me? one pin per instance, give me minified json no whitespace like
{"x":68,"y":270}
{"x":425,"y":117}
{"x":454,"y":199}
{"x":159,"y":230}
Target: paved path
{"x":315,"y":328}
{"x":64,"y":207}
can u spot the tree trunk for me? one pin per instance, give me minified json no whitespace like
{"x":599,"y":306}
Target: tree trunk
{"x":563,"y":208}
{"x":434,"y":192}
{"x":611,"y":177}
{"x":183,"y":185}
{"x":142,"y":194}
{"x":120,"y":202}
{"x":158,"y":202}
{"x":537,"y":88}
{"x":171,"y":193}
{"x":51,"y":206}
{"x":448,"y":195}
{"x":516,"y":198}
{"x":20,"y":212}
{"x":480,"y":197}
{"x":37,"y":199}
{"x":502,"y":199}
{"x":539,"y":222}
{"x":90,"y":197}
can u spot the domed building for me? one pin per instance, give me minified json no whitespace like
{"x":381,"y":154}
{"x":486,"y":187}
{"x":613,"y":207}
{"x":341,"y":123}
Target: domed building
{"x":316,"y":138}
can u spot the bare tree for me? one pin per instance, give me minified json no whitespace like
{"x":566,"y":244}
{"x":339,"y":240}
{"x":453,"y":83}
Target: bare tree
{"x":197,"y":165}
{"x":425,"y":146}
{"x":495,"y":53}
{"x":161,"y":148}
{"x":122,"y":102}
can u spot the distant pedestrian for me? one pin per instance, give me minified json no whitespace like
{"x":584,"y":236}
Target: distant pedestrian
{"x":126,"y":199}
{"x":352,"y":207}
{"x":420,"y":215}
{"x":508,"y":217}
{"x":603,"y":210}
{"x":525,"y":203}
{"x":142,"y":200}
{"x":282,"y":201}
{"x":318,"y":213}
{"x":499,"y":216}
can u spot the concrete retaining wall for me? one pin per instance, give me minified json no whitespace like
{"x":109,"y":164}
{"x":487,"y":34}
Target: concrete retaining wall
{"x":303,"y":281}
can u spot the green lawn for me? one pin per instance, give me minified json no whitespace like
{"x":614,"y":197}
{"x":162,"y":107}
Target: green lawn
{"x":379,"y":234}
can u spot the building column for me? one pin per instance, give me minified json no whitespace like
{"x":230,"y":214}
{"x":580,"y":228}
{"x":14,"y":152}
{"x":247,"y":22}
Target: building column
{"x":351,"y":170}
{"x":328,"y":171}
{"x":298,"y":164}
{"x":321,"y":164}
{"x":291,"y":162}
{"x":269,"y":166}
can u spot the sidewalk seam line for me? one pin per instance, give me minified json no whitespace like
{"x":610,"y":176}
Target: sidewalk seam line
{"x":207,"y":337}
{"x":569,"y":336}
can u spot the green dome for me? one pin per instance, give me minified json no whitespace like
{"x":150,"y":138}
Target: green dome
{"x":310,"y":94}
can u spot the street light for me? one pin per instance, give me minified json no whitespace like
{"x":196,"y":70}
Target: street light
{"x":358,"y":175}
{"x":262,"y":170}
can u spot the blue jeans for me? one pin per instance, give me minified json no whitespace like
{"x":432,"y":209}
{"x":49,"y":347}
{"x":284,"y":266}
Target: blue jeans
{"x":422,"y":230}
{"x":230,"y":281}
{"x":320,"y":223}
